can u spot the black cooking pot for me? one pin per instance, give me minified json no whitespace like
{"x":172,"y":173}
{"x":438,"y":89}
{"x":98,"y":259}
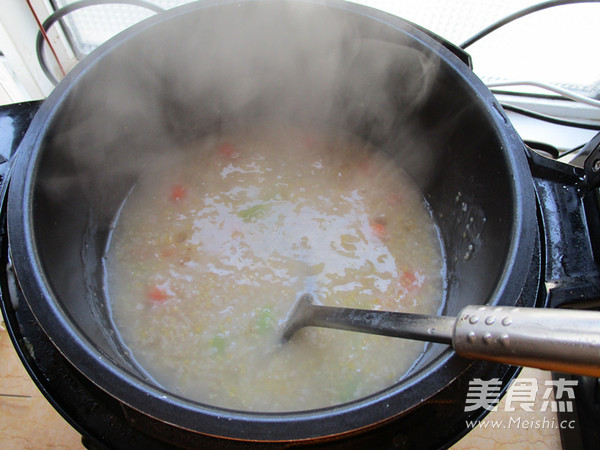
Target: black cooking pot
{"x":205,"y":67}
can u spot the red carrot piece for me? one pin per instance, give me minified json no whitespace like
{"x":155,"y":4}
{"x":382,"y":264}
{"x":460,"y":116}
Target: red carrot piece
{"x":178,"y":192}
{"x":395,"y":199}
{"x":167,"y":253}
{"x":408,"y":278}
{"x":378,"y":228}
{"x":228,"y":151}
{"x":157,"y":295}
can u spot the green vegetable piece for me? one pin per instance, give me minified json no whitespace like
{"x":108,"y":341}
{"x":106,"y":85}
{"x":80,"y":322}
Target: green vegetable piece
{"x":219,"y":344}
{"x":253,"y":212}
{"x":265,"y":320}
{"x":348,"y":387}
{"x":315,"y":269}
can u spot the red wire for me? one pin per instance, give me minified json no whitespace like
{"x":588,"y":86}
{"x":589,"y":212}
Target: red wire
{"x":46,"y":38}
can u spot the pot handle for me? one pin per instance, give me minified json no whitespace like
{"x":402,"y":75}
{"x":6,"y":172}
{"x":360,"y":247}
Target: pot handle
{"x":569,"y":208}
{"x":591,"y":165}
{"x":459,"y":52}
{"x":14,"y":122}
{"x":565,"y":341}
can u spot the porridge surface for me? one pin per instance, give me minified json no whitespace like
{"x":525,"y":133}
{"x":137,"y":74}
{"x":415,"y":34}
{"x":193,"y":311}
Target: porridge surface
{"x":210,"y":252}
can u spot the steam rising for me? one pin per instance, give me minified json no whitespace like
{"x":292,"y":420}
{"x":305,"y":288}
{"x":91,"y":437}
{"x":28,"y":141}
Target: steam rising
{"x":209,"y":68}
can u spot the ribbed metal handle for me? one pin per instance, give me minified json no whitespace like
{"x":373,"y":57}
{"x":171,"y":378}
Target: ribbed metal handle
{"x":555,"y":339}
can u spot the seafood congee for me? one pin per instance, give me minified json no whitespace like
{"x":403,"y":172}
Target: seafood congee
{"x":213,"y":247}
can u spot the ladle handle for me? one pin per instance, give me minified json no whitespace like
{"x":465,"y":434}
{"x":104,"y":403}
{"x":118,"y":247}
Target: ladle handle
{"x":563,"y":340}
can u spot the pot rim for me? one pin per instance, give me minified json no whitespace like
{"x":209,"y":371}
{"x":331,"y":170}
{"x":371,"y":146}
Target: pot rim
{"x":179,"y":412}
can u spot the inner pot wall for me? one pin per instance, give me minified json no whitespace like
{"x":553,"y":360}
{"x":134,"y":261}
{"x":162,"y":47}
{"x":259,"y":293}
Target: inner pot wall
{"x":198,"y":69}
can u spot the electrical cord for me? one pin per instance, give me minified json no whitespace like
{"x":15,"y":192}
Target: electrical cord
{"x":517,"y":15}
{"x":550,"y":119}
{"x":67,"y":9}
{"x":562,"y":92}
{"x":565,"y":93}
{"x":45,"y":37}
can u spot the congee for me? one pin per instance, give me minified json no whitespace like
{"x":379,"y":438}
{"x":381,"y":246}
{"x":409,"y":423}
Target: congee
{"x":215,"y":243}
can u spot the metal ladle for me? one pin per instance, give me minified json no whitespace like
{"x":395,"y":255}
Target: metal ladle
{"x":554,"y":339}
